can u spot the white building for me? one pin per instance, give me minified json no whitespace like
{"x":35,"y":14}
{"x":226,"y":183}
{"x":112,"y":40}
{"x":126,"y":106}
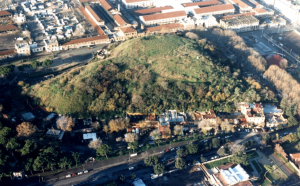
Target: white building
{"x":206,"y":21}
{"x":137,"y":3}
{"x":254,"y":113}
{"x":240,"y":23}
{"x":288,"y":10}
{"x":163,"y":18}
{"x":214,"y":10}
{"x":23,"y":48}
{"x":235,"y":175}
{"x":20,"y":18}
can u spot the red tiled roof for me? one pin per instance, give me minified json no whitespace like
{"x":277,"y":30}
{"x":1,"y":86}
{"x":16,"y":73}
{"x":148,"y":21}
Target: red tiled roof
{"x":7,"y":27}
{"x":295,"y":155}
{"x":7,"y":52}
{"x":93,"y":13}
{"x":128,"y":29}
{"x":216,"y":8}
{"x":202,"y":3}
{"x":4,"y":13}
{"x":93,"y":23}
{"x":152,"y":10}
{"x":164,"y":15}
{"x":260,"y":10}
{"x":274,"y":60}
{"x":119,"y":20}
{"x":135,"y":1}
{"x":160,"y":27}
{"x":82,"y":40}
{"x":106,"y":5}
{"x":240,"y":3}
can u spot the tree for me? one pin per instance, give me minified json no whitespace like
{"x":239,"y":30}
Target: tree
{"x":268,"y":138}
{"x":167,"y":133}
{"x":155,"y":134}
{"x":65,"y":123}
{"x":268,"y":168}
{"x":131,"y":137}
{"x":215,"y":142}
{"x":76,"y":157}
{"x":103,"y":150}
{"x":132,"y":176}
{"x":28,"y":147}
{"x":118,"y":124}
{"x":25,"y":129}
{"x":105,"y":129}
{"x":47,"y":62}
{"x":95,"y":125}
{"x":179,"y":163}
{"x":223,"y":151}
{"x":279,"y":127}
{"x":12,"y":144}
{"x":180,"y":152}
{"x":95,"y":144}
{"x":4,"y":133}
{"x":28,"y":165}
{"x":159,"y":168}
{"x":178,"y":130}
{"x":134,"y":145}
{"x":151,"y":160}
{"x":292,"y":121}
{"x":39,"y":164}
{"x":122,"y":178}
{"x":35,"y":64}
{"x":4,"y":70}
{"x":63,"y":162}
{"x":202,"y":159}
{"x":240,"y":158}
{"x":192,"y":148}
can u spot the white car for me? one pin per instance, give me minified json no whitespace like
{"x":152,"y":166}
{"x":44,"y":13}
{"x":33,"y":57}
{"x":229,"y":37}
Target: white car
{"x":141,"y":145}
{"x":160,"y":175}
{"x":177,"y":148}
{"x":79,"y":173}
{"x":131,"y":168}
{"x":154,"y":176}
{"x":162,"y":151}
{"x":86,"y":171}
{"x":69,"y":176}
{"x":212,"y":158}
{"x":172,"y":149}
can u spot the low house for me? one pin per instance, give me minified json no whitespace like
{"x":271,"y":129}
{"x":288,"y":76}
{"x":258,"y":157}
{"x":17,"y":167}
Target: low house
{"x":129,"y":32}
{"x":274,"y":116}
{"x":254,"y":113}
{"x":55,"y":134}
{"x":89,"y":137}
{"x":23,"y":49}
{"x":5,"y":54}
{"x":7,"y":28}
{"x":4,"y":13}
{"x":28,"y":116}
{"x":295,"y":157}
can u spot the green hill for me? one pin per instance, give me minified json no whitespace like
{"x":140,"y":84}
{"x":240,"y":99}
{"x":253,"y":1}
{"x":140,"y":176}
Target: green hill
{"x":147,"y":74}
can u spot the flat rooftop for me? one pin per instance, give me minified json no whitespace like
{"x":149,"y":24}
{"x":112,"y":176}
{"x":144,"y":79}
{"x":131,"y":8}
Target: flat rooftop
{"x":240,"y":20}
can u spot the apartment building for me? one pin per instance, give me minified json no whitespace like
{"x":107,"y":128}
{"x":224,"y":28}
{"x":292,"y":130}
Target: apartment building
{"x":214,"y":10}
{"x":163,"y":18}
{"x":129,"y":4}
{"x":206,"y":21}
{"x":129,"y":32}
{"x":240,"y":23}
{"x":23,"y":49}
{"x":254,"y":113}
{"x":5,"y":54}
{"x":86,"y":42}
{"x":51,"y":45}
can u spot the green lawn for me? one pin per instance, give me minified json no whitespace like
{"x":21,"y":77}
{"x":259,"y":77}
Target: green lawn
{"x":217,"y":163}
{"x":252,"y":154}
{"x":257,"y":167}
{"x":276,"y":175}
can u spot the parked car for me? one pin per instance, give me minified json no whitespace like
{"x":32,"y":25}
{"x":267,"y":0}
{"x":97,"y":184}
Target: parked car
{"x":74,"y":174}
{"x":154,"y":176}
{"x":141,"y":145}
{"x":212,"y":158}
{"x":172,"y":149}
{"x":69,"y":176}
{"x":131,"y":168}
{"x":167,"y":150}
{"x":177,"y":148}
{"x":79,"y":173}
{"x":162,"y":151}
{"x":86,"y":171}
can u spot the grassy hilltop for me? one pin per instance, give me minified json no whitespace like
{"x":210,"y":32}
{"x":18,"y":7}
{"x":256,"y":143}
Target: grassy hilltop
{"x":146,"y":74}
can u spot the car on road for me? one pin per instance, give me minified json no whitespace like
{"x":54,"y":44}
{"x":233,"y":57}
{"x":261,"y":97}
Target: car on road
{"x":217,"y":156}
{"x":154,"y":176}
{"x":160,"y":175}
{"x":69,"y":176}
{"x":162,"y":151}
{"x":86,"y":171}
{"x":141,"y":145}
{"x":131,"y":168}
{"x":172,"y":149}
{"x":177,"y":148}
{"x":167,"y":150}
{"x":74,"y":174}
{"x":212,"y":158}
{"x":79,"y":173}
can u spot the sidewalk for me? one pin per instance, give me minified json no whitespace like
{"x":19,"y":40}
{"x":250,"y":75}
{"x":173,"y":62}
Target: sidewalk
{"x":255,"y":173}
